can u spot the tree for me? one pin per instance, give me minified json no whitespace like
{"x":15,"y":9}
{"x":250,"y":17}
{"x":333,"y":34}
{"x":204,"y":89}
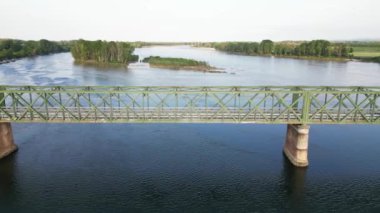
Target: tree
{"x":11,"y":49}
{"x":266,"y":47}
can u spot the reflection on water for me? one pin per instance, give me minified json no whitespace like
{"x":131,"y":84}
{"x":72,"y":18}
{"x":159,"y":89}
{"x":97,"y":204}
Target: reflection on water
{"x":101,"y":67}
{"x":7,"y":180}
{"x":187,"y":167}
{"x":294,"y":184}
{"x":207,"y":188}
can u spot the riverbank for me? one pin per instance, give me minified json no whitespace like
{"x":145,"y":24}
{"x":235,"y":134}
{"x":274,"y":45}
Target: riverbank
{"x":309,"y":50}
{"x":181,"y":64}
{"x":93,"y":62}
{"x":12,"y":49}
{"x":8,"y":61}
{"x":315,"y":58}
{"x":291,"y":57}
{"x":96,"y":64}
{"x":369,"y":59}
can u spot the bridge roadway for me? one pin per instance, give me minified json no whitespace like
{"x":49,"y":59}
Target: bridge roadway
{"x":293,"y":105}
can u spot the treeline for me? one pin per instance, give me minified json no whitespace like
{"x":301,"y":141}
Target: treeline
{"x":367,"y":44}
{"x":103,"y":52}
{"x":14,"y":49}
{"x":249,"y":48}
{"x":315,"y":48}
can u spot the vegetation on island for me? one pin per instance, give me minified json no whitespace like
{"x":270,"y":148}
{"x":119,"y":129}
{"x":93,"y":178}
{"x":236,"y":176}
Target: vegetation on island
{"x":103,"y":52}
{"x":180,"y":64}
{"x":11,"y":49}
{"x":315,"y":48}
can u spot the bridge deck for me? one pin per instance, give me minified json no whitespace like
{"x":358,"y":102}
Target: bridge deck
{"x":287,"y":105}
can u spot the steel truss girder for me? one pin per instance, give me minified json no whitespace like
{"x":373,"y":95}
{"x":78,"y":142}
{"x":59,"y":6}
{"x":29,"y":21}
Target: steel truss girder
{"x":261,"y":104}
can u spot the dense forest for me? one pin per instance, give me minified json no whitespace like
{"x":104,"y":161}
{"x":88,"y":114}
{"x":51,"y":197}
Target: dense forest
{"x":315,"y":48}
{"x":14,"y":49}
{"x":103,"y":52}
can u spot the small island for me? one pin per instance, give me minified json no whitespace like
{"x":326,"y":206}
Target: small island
{"x":181,"y":64}
{"x":103,"y":52}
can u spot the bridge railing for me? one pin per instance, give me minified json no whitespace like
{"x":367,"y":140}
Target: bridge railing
{"x":297,"y":105}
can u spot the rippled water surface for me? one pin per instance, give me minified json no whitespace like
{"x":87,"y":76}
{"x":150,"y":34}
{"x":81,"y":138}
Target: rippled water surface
{"x":189,"y":167}
{"x":59,"y":69}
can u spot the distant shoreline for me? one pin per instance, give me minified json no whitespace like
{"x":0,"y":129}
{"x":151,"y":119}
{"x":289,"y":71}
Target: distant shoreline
{"x":9,"y":60}
{"x":313,"y":58}
{"x":290,"y":57}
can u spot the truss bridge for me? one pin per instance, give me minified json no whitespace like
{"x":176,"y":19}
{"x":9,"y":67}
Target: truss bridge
{"x":293,"y":105}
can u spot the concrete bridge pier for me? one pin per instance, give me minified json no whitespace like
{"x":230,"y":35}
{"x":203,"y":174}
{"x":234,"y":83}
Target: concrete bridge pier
{"x":296,"y":144}
{"x":7,"y":145}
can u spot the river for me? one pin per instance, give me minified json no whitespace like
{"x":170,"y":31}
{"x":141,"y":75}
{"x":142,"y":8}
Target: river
{"x":189,"y":167}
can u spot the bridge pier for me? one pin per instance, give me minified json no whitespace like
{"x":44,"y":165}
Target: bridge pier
{"x":296,"y":144}
{"x":7,"y":145}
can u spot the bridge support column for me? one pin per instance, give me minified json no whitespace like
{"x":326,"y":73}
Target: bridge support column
{"x":7,"y":145}
{"x":296,"y":144}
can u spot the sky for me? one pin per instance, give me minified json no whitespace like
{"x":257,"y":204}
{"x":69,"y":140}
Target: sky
{"x":190,"y":20}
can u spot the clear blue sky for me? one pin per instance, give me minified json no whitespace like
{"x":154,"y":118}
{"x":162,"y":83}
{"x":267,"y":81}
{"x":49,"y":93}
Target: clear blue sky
{"x":190,"y":20}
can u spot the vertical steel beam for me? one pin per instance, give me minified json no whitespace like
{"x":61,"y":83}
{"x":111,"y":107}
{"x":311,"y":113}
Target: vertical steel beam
{"x":306,"y":107}
{"x":2,"y":96}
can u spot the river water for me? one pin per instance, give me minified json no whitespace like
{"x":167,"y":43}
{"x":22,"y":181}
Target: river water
{"x":189,"y":167}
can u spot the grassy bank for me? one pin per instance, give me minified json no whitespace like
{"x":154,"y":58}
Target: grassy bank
{"x":369,"y":59}
{"x":367,"y":51}
{"x":180,"y":64}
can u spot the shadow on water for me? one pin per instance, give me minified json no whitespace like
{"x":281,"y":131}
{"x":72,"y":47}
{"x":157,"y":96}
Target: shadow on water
{"x":293,"y":185}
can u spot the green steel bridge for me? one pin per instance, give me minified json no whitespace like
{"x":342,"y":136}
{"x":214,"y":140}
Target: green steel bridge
{"x":296,"y":106}
{"x":261,"y":104}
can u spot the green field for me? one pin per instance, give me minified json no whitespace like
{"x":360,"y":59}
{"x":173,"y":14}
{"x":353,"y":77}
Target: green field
{"x":366,"y":50}
{"x":367,"y":54}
